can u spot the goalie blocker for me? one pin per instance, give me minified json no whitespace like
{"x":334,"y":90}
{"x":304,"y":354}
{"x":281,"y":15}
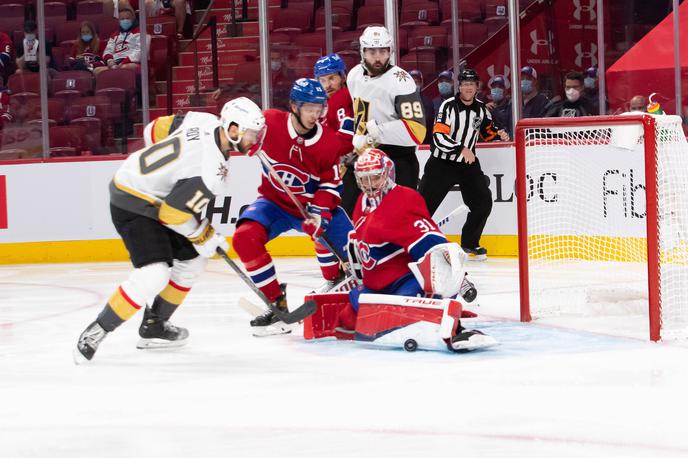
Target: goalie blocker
{"x":397,"y":321}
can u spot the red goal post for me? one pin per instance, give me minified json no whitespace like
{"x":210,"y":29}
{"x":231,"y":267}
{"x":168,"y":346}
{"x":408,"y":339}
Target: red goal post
{"x":577,"y":226}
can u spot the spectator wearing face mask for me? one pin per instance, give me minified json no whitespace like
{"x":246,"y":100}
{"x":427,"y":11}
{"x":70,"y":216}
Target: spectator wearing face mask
{"x":123,"y":49}
{"x":417,"y":76}
{"x":592,"y":91}
{"x":574,"y":105}
{"x":500,"y":104}
{"x":534,"y":102}
{"x":445,"y":86}
{"x":638,"y":103}
{"x":87,"y":49}
{"x":27,"y":54}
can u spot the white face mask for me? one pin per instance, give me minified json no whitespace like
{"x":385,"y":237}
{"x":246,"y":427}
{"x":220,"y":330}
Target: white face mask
{"x":572,"y":94}
{"x":275,"y":65}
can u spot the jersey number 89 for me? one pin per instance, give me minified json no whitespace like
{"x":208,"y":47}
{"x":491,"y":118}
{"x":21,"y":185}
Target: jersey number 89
{"x":410,"y":110}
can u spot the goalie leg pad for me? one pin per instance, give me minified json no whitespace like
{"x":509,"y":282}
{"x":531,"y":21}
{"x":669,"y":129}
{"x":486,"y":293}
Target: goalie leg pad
{"x":324,"y":321}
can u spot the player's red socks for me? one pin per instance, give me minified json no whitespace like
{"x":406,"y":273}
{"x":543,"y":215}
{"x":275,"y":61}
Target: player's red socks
{"x":329,"y":264}
{"x":249,"y":243}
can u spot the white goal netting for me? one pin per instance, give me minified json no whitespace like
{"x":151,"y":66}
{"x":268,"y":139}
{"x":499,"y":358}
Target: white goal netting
{"x":587,"y":241}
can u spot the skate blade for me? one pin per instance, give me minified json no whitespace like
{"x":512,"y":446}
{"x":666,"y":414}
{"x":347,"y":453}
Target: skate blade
{"x":475,"y":342}
{"x":272,"y":330}
{"x":477,"y":257}
{"x":151,"y":344}
{"x":79,"y":359}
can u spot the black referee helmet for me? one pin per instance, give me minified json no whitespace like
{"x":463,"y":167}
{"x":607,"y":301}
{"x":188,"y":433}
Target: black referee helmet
{"x":468,"y":75}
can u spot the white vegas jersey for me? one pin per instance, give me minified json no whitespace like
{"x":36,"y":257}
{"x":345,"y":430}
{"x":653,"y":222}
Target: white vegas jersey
{"x":174,"y":179}
{"x":392,"y":100}
{"x":163,"y":126}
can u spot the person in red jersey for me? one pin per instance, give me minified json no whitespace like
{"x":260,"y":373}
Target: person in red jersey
{"x":305,"y":155}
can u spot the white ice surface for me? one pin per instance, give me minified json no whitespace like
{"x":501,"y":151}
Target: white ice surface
{"x":546,"y":391}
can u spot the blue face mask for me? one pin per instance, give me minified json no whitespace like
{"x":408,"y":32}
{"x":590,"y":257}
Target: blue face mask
{"x":527,"y":86}
{"x":125,"y":24}
{"x":589,"y":83}
{"x":86,"y":38}
{"x":445,"y":89}
{"x":497,"y":94}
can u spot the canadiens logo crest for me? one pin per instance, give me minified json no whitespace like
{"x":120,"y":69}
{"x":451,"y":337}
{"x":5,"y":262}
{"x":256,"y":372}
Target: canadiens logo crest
{"x":292,"y":177}
{"x":364,"y":256}
{"x":222,"y":172}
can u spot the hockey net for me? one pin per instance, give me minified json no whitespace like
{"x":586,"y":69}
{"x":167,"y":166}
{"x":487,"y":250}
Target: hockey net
{"x":603,"y":219}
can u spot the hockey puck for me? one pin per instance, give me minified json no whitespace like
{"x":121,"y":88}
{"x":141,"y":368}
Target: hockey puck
{"x":410,"y":345}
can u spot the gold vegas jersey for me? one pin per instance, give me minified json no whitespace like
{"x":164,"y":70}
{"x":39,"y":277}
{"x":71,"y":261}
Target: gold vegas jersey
{"x":392,"y":100}
{"x":173,"y":180}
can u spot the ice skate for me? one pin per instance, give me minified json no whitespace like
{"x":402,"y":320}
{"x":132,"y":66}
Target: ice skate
{"x":268,"y":324}
{"x":475,"y":254}
{"x":467,"y":340}
{"x":88,"y":342}
{"x":158,"y":333}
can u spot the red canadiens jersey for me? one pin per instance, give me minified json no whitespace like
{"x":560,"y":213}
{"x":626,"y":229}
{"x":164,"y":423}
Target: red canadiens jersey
{"x":400,"y":230}
{"x":340,"y":118}
{"x":309,"y":167}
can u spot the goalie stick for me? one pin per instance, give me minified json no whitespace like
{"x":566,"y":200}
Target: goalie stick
{"x":306,"y":309}
{"x":304,"y":214}
{"x":458,"y":210}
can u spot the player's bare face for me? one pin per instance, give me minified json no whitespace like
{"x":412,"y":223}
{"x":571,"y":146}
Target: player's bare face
{"x":331,"y":83}
{"x":376,"y":60}
{"x":468,"y":90}
{"x":309,"y":114}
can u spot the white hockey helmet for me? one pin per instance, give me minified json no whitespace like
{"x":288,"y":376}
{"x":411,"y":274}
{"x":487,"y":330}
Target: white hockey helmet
{"x":245,"y":114}
{"x":376,"y":36}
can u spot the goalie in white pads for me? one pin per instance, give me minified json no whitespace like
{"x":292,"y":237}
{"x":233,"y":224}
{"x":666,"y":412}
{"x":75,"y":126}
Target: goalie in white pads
{"x":411,"y":274}
{"x":157,"y":198}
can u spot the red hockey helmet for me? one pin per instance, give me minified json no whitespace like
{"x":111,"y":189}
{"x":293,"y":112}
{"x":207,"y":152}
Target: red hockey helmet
{"x":374,"y":173}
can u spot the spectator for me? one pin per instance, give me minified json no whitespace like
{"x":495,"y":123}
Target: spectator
{"x":417,"y":76}
{"x":27,"y":54}
{"x":638,"y":103}
{"x":123,"y":49}
{"x":592,"y":91}
{"x":534,"y":102}
{"x":177,"y":8}
{"x":445,"y":85}
{"x":500,"y":106}
{"x":87,"y":49}
{"x":7,"y":59}
{"x":574,"y":105}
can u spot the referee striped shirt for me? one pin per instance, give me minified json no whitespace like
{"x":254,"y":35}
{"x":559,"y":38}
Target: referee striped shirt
{"x":459,"y":125}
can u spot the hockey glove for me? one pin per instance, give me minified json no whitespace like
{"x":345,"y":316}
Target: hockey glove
{"x":206,"y":240}
{"x":374,"y":131}
{"x":362,"y":143}
{"x":318,"y":221}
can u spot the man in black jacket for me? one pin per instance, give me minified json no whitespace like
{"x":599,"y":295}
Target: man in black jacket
{"x":460,"y":121}
{"x":574,"y":105}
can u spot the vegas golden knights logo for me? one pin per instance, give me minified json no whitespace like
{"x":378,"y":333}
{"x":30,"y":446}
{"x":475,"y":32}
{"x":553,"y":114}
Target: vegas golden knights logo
{"x":361,"y":113}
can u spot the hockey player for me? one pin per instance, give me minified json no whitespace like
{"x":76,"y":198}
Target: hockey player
{"x":393,"y":259}
{"x":330,"y":71}
{"x":163,"y":126}
{"x":305,"y":155}
{"x":156,"y":200}
{"x":387,"y":106}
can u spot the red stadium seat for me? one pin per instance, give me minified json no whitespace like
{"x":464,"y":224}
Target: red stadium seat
{"x":162,"y":25}
{"x":66,"y":140}
{"x":433,"y":36}
{"x":93,"y":136}
{"x":370,"y":15}
{"x":418,"y":12}
{"x":12,"y":17}
{"x":55,"y":13}
{"x":469,"y":10}
{"x":67,"y":31}
{"x":311,"y":42}
{"x":79,"y":81}
{"x":291,"y":21}
{"x":24,"y":82}
{"x":85,"y":10}
{"x":341,"y":18}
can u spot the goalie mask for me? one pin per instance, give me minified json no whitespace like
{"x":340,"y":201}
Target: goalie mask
{"x":374,"y":173}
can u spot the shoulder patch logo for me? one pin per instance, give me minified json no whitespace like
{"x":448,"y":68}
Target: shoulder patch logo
{"x":222,"y":172}
{"x":402,"y":75}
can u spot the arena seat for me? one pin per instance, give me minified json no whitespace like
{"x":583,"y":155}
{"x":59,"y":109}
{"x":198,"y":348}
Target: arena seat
{"x":72,"y":81}
{"x":419,"y":12}
{"x":369,"y":15}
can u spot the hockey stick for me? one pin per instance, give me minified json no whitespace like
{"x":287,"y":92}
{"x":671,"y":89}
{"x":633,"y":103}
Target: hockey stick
{"x":305,"y":310}
{"x":304,"y":214}
{"x":458,"y":210}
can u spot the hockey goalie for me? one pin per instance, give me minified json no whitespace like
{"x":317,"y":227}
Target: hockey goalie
{"x":411,"y":283}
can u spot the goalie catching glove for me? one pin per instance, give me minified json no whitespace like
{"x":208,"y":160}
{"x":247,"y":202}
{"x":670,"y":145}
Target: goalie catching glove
{"x":316,"y":224}
{"x":440,"y":271}
{"x":206,"y":240}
